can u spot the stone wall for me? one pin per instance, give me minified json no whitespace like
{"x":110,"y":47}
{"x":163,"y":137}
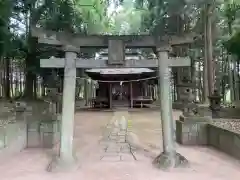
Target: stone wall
{"x":43,"y":127}
{"x":33,"y":127}
{"x":233,"y":113}
{"x":43,"y":134}
{"x":224,"y":140}
{"x":207,"y":133}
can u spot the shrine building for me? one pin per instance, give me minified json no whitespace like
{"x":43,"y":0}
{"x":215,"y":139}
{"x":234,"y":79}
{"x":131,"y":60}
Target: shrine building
{"x":123,"y":87}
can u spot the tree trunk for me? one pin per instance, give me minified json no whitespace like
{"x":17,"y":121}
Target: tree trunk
{"x":193,"y":75}
{"x":205,"y":63}
{"x":230,"y":74}
{"x":208,"y":57}
{"x":30,"y":78}
{"x":209,"y":49}
{"x":7,"y":78}
{"x":236,"y":85}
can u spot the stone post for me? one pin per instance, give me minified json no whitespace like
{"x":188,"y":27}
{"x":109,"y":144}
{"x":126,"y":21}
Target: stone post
{"x":66,"y":159}
{"x":168,"y":158}
{"x":186,"y":97}
{"x":215,"y":104}
{"x":20,"y":108}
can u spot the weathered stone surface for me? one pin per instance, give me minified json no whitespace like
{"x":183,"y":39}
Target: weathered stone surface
{"x":224,"y":140}
{"x":202,"y":134}
{"x":121,"y":140}
{"x":191,"y":132}
{"x":111,"y":158}
{"x":13,"y":137}
{"x":115,"y":147}
{"x":164,"y":162}
{"x":47,"y":140}
{"x":230,"y":113}
{"x":236,"y":146}
{"x":195,"y":119}
{"x":213,"y":136}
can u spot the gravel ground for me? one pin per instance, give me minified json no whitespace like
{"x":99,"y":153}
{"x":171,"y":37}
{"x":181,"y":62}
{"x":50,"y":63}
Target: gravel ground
{"x":233,"y":125}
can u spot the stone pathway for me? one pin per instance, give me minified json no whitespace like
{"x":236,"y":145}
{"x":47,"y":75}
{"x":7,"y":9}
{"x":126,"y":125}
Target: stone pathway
{"x":114,"y":142}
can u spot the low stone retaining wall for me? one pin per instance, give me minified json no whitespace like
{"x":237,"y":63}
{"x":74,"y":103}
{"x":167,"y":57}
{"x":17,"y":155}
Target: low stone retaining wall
{"x":13,"y":137}
{"x":224,"y":140}
{"x":223,"y":135}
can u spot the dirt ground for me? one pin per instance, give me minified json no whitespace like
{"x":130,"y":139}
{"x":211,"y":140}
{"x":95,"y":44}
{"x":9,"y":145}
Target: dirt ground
{"x":205,"y":163}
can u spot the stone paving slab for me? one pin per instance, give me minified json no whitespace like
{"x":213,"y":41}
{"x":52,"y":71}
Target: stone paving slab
{"x":111,"y":158}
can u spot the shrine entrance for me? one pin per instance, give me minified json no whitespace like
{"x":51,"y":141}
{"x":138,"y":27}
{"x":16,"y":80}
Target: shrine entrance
{"x":120,"y":94}
{"x":123,"y":87}
{"x":71,"y":44}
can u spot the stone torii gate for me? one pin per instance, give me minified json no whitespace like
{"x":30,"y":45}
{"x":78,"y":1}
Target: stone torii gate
{"x":71,"y":44}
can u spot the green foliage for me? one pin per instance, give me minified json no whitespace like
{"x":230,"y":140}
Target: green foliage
{"x":231,"y":10}
{"x":5,"y":13}
{"x":233,"y":45}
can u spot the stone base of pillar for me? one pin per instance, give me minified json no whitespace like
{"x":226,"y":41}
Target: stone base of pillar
{"x":165,"y":162}
{"x":59,"y":165}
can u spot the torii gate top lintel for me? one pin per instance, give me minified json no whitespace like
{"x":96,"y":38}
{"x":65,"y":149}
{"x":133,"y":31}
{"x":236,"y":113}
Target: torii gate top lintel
{"x":102,"y":41}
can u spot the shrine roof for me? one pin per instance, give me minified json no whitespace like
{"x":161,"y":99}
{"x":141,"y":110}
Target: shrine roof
{"x":129,"y":52}
{"x":120,"y":70}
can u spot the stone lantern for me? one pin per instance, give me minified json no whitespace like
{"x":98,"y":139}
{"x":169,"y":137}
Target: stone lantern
{"x":187,"y":98}
{"x":215,"y":102}
{"x":53,"y":94}
{"x":20,"y":106}
{"x":79,"y":84}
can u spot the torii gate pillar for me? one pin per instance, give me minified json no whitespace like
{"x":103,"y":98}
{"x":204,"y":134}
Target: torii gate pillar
{"x":66,"y":158}
{"x":169,"y":158}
